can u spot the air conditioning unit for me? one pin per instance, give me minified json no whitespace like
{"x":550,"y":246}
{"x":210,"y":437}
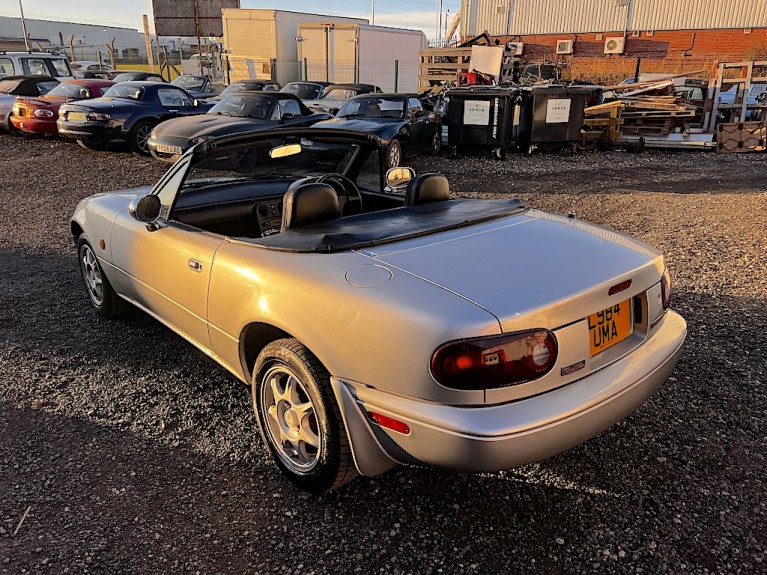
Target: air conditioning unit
{"x":518,"y":47}
{"x":564,"y":46}
{"x":615,"y":45}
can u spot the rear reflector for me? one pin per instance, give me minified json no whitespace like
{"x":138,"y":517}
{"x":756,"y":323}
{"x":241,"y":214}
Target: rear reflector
{"x":390,"y":423}
{"x":618,"y":288}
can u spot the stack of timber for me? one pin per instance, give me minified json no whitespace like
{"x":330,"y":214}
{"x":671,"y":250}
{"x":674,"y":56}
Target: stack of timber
{"x":642,"y":115}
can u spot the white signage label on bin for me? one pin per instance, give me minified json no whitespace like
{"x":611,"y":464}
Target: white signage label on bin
{"x":476,"y":112}
{"x":558,"y":111}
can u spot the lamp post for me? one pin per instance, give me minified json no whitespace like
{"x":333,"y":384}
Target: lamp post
{"x":24,"y":27}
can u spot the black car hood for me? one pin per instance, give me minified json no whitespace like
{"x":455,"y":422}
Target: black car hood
{"x":373,"y":125}
{"x":209,"y":125}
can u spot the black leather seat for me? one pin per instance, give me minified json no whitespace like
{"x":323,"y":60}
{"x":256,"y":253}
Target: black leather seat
{"x":308,"y":204}
{"x":427,"y":188}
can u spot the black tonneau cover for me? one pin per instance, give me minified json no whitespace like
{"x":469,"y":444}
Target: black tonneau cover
{"x":365,"y":230}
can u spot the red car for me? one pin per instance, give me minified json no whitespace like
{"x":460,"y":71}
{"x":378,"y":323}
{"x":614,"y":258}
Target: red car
{"x":39,"y":115}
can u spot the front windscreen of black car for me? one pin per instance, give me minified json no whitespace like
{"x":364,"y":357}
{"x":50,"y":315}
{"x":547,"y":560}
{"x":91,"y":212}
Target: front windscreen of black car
{"x":373,"y":107}
{"x":189,"y":82}
{"x":125,"y":91}
{"x":302,"y":90}
{"x":339,"y":94}
{"x":244,"y":106}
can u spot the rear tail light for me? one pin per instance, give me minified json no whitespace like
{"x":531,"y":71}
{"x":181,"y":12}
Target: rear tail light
{"x":98,"y":116}
{"x":42,"y":113}
{"x":665,"y":289}
{"x":497,"y":361}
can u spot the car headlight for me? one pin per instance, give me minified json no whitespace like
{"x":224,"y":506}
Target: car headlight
{"x":42,"y":113}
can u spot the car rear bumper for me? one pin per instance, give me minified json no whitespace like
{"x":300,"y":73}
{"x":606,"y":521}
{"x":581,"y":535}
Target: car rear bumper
{"x":499,"y":437}
{"x":97,"y":133}
{"x":34,"y":125}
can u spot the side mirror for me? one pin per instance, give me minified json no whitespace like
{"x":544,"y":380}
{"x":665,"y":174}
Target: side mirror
{"x":287,"y":116}
{"x":195,"y":102}
{"x":145,"y":208}
{"x":398,"y":178}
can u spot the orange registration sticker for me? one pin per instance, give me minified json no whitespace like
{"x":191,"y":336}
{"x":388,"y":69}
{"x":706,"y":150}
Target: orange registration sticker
{"x":609,"y":326}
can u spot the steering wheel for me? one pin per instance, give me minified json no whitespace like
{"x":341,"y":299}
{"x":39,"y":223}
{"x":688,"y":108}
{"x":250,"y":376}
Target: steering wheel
{"x":349,"y":196}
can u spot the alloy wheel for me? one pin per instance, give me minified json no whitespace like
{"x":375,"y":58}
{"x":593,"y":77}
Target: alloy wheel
{"x":291,"y":419}
{"x":94,"y":283}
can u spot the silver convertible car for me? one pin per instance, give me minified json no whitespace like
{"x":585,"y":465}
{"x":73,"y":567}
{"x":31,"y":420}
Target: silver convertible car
{"x":378,"y":320}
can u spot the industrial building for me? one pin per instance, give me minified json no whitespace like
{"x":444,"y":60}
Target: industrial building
{"x":612,"y":29}
{"x":86,"y":40}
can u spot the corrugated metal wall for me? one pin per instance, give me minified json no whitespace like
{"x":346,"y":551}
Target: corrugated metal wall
{"x":698,"y":14}
{"x":577,"y":16}
{"x":521,"y":17}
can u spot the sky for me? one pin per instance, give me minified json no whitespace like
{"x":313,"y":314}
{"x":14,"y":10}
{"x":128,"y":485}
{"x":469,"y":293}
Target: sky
{"x":419,"y":14}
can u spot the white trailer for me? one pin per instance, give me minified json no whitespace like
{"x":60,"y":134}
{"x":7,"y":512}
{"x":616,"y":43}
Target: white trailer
{"x":351,"y":53}
{"x":261,"y":43}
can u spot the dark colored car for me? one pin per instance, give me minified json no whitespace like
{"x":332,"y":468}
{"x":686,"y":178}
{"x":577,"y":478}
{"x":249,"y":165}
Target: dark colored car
{"x":249,"y":86}
{"x":334,"y":96}
{"x":398,"y":119}
{"x":126,"y":114}
{"x":236,"y":113}
{"x":101,"y":74}
{"x":135,"y":76}
{"x":13,"y":86}
{"x":39,"y":115}
{"x":306,"y":90}
{"x":198,"y":86}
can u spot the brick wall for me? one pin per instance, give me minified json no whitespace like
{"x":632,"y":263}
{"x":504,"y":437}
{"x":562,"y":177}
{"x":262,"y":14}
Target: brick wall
{"x":723,"y":45}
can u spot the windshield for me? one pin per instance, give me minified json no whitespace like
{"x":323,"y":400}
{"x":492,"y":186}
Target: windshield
{"x":255,"y":161}
{"x":126,"y":77}
{"x":244,"y":106}
{"x":240,"y":87}
{"x":373,"y":107}
{"x":125,"y":91}
{"x":339,"y":94}
{"x":189,"y":82}
{"x":71,"y":91}
{"x":303,"y":91}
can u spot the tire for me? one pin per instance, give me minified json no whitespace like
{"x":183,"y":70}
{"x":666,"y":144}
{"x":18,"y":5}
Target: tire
{"x":101,"y":294}
{"x":89,"y":145}
{"x":139,"y":137}
{"x":436,"y":142}
{"x":308,"y":444}
{"x":394,"y":154}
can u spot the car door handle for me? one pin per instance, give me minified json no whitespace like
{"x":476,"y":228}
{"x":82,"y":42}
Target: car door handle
{"x":194,"y":265}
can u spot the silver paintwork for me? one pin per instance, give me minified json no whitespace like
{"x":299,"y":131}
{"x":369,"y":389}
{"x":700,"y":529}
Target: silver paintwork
{"x":374,"y":317}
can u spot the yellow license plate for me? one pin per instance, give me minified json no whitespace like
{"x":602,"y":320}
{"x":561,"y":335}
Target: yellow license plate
{"x":609,"y":326}
{"x":76,"y":116}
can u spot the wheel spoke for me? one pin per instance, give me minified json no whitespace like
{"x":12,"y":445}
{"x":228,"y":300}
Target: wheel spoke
{"x":306,"y":435}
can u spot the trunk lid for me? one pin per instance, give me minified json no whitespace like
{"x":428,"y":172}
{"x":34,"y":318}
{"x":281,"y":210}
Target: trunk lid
{"x":530,"y":270}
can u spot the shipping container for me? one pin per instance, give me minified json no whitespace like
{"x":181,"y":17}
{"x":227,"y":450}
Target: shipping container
{"x":359,"y":53}
{"x":261,"y":43}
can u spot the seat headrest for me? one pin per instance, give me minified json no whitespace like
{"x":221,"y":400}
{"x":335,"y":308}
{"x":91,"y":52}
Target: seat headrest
{"x":309,"y":204}
{"x":427,"y":188}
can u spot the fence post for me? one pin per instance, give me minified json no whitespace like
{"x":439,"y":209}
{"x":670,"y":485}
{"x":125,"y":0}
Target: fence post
{"x":306,"y":69}
{"x":396,"y":76}
{"x":636,"y":72}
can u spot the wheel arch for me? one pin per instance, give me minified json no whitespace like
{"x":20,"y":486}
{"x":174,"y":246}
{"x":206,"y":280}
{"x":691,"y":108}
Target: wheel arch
{"x":76,"y":230}
{"x":254,"y":337}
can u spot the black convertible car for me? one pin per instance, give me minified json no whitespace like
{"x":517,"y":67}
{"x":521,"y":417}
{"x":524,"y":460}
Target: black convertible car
{"x":239,"y":112}
{"x":398,"y":119}
{"x":126,"y":114}
{"x":333,"y":97}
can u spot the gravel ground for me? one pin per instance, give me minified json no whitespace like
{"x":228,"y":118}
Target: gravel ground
{"x":124,"y":450}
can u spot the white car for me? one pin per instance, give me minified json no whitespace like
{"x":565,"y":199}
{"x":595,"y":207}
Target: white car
{"x":379,"y":325}
{"x":35,"y":64}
